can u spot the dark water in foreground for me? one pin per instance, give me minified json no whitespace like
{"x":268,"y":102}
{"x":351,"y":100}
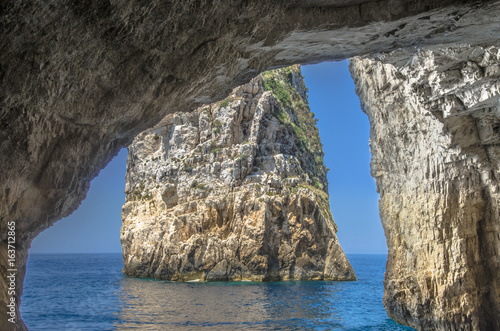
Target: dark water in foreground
{"x":89,"y":292}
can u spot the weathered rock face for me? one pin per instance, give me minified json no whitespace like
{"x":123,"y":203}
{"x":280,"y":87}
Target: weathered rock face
{"x":79,"y":79}
{"x":435,"y":119}
{"x":235,"y":190}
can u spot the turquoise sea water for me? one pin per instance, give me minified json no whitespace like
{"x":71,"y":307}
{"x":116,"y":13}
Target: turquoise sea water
{"x":89,"y":292}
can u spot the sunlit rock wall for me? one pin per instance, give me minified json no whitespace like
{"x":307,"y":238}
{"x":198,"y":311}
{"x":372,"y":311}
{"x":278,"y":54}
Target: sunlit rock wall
{"x":435,"y":143}
{"x":235,"y":190}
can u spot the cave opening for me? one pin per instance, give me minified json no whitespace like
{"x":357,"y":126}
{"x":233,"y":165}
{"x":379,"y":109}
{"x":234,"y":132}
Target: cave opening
{"x":94,"y":228}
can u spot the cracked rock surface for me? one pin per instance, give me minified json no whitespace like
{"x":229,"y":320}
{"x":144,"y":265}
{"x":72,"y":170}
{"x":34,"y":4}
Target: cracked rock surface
{"x":435,"y":119}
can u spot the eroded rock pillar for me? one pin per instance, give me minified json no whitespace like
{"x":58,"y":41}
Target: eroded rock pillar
{"x":434,"y":120}
{"x":235,"y":190}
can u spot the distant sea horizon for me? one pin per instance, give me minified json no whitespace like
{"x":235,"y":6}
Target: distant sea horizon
{"x":88,"y":291}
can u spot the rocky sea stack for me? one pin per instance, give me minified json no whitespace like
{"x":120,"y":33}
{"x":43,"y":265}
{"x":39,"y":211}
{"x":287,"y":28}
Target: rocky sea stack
{"x":235,"y":190}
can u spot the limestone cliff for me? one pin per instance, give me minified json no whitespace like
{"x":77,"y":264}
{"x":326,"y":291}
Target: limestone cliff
{"x":435,"y":143}
{"x":235,"y":190}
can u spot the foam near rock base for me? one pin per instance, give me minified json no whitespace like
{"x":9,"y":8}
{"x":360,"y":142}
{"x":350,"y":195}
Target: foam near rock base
{"x":235,"y":191}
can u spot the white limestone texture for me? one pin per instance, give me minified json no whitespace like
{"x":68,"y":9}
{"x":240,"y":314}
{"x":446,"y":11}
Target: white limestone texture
{"x":233,"y":191}
{"x":435,"y":144}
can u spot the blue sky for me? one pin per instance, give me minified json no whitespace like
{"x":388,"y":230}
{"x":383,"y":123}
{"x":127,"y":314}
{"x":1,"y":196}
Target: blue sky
{"x":344,"y":131}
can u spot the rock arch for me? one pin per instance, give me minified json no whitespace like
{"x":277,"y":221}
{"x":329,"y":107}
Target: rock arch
{"x":80,"y":79}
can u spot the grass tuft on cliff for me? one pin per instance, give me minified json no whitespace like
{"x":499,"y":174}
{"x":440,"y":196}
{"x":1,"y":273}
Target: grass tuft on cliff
{"x":288,"y":87}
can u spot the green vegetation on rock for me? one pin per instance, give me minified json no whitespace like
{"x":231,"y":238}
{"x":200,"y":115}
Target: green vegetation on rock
{"x":288,"y":87}
{"x":224,"y":103}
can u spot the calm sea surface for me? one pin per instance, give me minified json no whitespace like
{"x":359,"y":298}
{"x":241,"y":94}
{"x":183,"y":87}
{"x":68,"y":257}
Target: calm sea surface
{"x":89,"y":292}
